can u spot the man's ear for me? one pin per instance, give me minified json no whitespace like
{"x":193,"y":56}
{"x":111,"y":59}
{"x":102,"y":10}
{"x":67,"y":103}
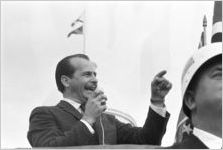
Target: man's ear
{"x":65,"y":80}
{"x":189,"y":100}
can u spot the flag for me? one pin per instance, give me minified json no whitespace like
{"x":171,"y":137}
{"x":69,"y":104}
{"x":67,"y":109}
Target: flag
{"x":77,"y":25}
{"x":203,"y":40}
{"x":180,"y":126}
{"x":201,"y":44}
{"x":217,"y":22}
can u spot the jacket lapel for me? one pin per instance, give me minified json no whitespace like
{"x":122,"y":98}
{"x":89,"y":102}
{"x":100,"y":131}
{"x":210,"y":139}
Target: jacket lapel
{"x":109,"y":128}
{"x":69,"y":109}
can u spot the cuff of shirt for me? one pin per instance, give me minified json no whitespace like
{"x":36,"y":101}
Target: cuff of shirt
{"x":88,"y":126}
{"x":159,"y":110}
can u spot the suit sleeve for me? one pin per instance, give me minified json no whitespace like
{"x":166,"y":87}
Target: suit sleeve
{"x":45,"y":132}
{"x":151,"y":133}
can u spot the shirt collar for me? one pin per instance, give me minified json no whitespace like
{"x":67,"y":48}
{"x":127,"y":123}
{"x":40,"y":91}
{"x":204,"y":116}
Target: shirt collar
{"x":72,"y":102}
{"x":210,"y":140}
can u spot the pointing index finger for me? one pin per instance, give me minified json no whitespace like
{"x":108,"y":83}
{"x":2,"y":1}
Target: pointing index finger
{"x":160,"y":74}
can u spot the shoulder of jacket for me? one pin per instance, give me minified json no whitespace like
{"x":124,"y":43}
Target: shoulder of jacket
{"x":43,"y":109}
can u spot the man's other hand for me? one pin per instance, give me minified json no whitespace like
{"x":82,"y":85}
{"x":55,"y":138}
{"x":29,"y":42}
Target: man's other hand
{"x":159,"y":88}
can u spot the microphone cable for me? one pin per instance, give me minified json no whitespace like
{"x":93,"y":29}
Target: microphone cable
{"x":103,"y":132}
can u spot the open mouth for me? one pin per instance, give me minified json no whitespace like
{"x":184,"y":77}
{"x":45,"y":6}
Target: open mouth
{"x":91,"y":87}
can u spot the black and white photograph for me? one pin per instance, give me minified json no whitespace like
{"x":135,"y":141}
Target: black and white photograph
{"x":111,"y":74}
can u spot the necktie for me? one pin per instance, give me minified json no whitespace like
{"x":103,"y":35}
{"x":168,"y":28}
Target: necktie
{"x":82,"y":107}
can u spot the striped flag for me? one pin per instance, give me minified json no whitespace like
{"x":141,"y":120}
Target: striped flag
{"x":217,"y":22}
{"x":180,"y":123}
{"x":77,"y":25}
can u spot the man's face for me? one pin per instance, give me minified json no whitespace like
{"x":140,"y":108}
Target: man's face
{"x":208,"y":94}
{"x":84,"y":82}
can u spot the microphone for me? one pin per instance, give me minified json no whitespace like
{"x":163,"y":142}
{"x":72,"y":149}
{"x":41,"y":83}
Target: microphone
{"x":97,"y":92}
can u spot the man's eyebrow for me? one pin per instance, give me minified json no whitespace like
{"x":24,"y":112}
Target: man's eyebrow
{"x":89,"y":72}
{"x":217,"y":68}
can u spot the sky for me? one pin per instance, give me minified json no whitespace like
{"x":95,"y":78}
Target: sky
{"x":130,"y":41}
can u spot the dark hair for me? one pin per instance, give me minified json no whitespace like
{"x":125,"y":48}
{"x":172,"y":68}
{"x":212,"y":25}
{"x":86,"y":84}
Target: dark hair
{"x":196,"y":78}
{"x":65,"y":68}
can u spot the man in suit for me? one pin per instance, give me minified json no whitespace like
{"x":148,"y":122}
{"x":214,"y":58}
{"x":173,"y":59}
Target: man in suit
{"x":202,"y":100}
{"x":79,"y":118}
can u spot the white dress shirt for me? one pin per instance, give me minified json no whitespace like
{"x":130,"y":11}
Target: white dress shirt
{"x":77,"y":106}
{"x":159,"y":110}
{"x":210,"y":140}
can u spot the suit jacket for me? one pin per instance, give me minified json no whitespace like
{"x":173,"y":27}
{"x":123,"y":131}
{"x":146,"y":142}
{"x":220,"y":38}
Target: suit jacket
{"x":189,"y":142}
{"x":60,"y":125}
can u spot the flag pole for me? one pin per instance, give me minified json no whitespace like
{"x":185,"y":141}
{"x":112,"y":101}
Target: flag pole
{"x":204,"y":26}
{"x":84,"y":30}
